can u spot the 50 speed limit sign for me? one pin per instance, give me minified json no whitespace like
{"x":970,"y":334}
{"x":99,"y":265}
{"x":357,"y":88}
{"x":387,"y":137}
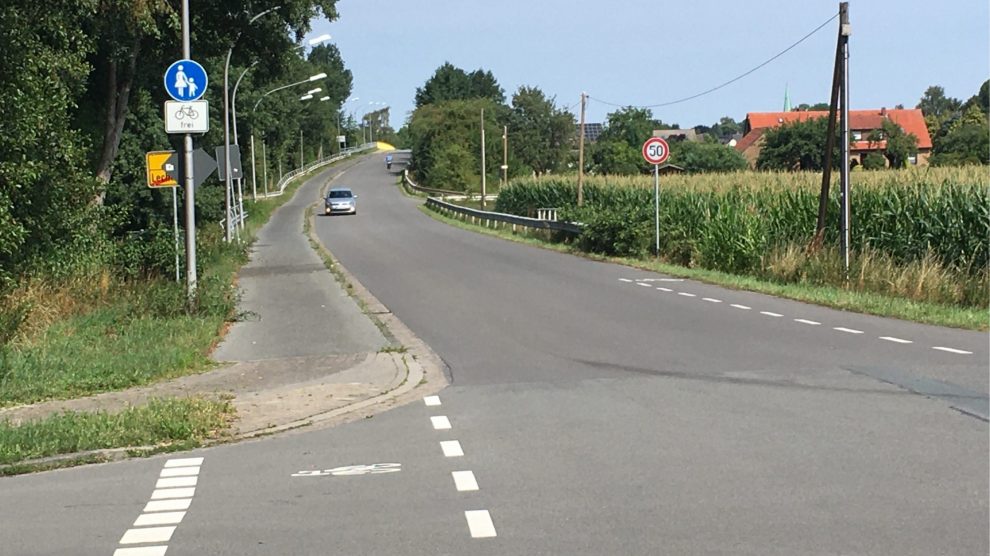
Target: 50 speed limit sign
{"x":656,"y":150}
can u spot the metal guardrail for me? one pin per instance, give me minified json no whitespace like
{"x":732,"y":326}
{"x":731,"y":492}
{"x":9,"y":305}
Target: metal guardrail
{"x":286,"y":178}
{"x":485,"y":216}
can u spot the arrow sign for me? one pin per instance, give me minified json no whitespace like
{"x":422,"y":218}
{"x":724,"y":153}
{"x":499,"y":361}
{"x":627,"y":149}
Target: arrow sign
{"x":235,"y":163}
{"x":203,"y":166}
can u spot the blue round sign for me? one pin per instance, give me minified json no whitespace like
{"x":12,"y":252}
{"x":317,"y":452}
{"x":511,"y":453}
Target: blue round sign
{"x":185,"y":80}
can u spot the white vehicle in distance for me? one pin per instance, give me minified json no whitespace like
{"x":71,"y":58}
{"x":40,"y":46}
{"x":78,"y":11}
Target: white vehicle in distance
{"x":340,"y":200}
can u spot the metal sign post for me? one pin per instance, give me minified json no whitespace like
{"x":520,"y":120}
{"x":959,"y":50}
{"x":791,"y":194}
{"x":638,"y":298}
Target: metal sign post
{"x":187,"y":153}
{"x":656,"y":151}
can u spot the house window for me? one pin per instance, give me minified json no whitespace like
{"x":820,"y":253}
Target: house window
{"x":913,"y":159}
{"x":857,"y":136}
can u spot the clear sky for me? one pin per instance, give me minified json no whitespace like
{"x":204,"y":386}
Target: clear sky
{"x":642,"y":53}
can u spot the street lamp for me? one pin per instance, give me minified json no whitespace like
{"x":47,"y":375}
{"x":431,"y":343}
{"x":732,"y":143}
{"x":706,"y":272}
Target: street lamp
{"x":254,"y":183}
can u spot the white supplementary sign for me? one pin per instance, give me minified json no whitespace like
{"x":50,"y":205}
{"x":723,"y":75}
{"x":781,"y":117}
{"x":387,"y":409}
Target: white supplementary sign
{"x":373,"y":469}
{"x":187,"y":117}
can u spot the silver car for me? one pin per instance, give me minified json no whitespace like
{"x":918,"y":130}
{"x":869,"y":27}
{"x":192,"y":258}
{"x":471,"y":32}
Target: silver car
{"x":340,"y":200}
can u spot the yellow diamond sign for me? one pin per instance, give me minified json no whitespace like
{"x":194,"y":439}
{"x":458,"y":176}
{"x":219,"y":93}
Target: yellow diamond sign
{"x":157,"y":176}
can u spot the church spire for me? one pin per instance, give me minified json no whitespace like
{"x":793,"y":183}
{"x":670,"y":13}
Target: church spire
{"x":787,"y":100}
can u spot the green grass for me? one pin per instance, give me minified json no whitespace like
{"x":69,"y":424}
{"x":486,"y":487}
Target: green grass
{"x":829,"y":296}
{"x":187,"y":422}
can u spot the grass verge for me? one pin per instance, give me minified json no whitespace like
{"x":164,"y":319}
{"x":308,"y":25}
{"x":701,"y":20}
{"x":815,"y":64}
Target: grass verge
{"x":860,"y":302}
{"x":186,"y":422}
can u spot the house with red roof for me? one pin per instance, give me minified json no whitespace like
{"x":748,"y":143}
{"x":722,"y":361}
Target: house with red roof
{"x":861,"y":124}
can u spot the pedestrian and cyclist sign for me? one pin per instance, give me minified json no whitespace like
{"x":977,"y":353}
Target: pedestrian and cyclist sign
{"x":185,"y":80}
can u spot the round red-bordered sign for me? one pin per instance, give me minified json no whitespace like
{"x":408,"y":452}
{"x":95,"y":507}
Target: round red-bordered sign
{"x":656,"y":150}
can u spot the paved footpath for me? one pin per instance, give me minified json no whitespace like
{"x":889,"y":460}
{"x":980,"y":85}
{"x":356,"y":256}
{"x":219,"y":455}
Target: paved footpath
{"x":304,"y":351}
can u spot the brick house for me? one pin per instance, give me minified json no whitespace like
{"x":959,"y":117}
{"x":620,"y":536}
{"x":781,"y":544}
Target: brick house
{"x":861,"y":124}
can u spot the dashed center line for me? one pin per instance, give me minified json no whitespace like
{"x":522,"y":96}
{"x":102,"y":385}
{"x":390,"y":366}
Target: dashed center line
{"x":480,"y":524}
{"x":451,"y":448}
{"x":743,"y":307}
{"x":686,"y":294}
{"x":806,"y":321}
{"x":711,"y":300}
{"x":440,"y":422}
{"x":953,"y":350}
{"x":847,"y":330}
{"x":896,"y":340}
{"x":464,"y":481}
{"x":769,"y":314}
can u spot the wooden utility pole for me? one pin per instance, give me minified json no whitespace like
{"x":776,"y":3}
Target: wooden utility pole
{"x":837,"y":85}
{"x":580,"y":199}
{"x":482,"y":159}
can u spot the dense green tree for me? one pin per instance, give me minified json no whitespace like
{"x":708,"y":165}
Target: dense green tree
{"x":938,"y":109}
{"x":632,"y":126}
{"x":818,"y":106}
{"x":616,"y":157}
{"x":899,"y":145}
{"x":541,"y":133}
{"x":452,"y":83}
{"x":706,"y":156}
{"x":874,"y":161}
{"x":967,"y":141}
{"x":797,"y":145}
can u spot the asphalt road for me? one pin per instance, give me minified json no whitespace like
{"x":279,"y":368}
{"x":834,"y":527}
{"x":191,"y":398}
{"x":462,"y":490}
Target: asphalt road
{"x":599,"y":410}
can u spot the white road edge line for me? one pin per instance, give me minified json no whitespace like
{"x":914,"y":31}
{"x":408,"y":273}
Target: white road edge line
{"x":480,"y":524}
{"x":805,"y":321}
{"x":440,"y":422}
{"x":953,"y":350}
{"x":451,"y":449}
{"x":769,"y":314}
{"x":163,"y":493}
{"x":895,"y":340}
{"x":743,"y":307}
{"x":180,"y":471}
{"x":432,"y":400}
{"x":464,"y":481}
{"x":186,"y":462}
{"x":168,"y":505}
{"x":161,"y":518}
{"x":147,"y":535}
{"x":711,"y":300}
{"x":141,"y":551}
{"x":847,"y":330}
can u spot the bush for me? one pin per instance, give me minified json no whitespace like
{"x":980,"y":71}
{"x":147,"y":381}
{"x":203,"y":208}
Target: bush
{"x":874,"y":161}
{"x":623,"y":232}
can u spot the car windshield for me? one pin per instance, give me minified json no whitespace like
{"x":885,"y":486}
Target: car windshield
{"x":339,"y":195}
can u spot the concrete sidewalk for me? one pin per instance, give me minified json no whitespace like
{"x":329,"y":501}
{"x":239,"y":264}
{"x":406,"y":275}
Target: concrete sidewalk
{"x":305,"y":351}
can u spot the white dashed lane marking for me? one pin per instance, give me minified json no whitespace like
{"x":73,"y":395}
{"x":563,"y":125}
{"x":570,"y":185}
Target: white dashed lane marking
{"x":665,"y":289}
{"x":169,"y":502}
{"x":711,"y":300}
{"x":464,"y":481}
{"x":432,"y":400}
{"x":160,"y":518}
{"x":141,"y":551}
{"x":769,"y":314}
{"x":847,"y":330}
{"x":953,"y":350}
{"x":451,"y":449}
{"x":643,"y":284}
{"x":686,"y":294}
{"x":168,"y":505}
{"x":625,"y":280}
{"x":164,"y":493}
{"x":176,"y":482}
{"x":743,"y":307}
{"x":480,"y":524}
{"x":806,"y":321}
{"x":440,"y":422}
{"x":147,"y":534}
{"x":895,"y":340}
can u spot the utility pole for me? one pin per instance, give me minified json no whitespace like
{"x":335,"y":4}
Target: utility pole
{"x":187,"y":163}
{"x":580,"y":199}
{"x":844,"y":31}
{"x":482,"y":159}
{"x":264,"y":165}
{"x":837,"y":85}
{"x":505,"y":156}
{"x":302,"y":163}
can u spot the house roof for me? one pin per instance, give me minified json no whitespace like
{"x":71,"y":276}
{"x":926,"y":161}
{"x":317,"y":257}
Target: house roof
{"x":911,"y":120}
{"x":750,"y":139}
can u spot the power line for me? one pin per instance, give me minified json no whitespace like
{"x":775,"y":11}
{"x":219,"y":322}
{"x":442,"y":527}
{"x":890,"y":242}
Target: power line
{"x":731,"y":81}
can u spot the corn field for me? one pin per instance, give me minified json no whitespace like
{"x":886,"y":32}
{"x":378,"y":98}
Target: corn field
{"x":742,"y":222}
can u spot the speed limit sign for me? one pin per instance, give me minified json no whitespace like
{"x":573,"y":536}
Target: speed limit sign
{"x":656,"y":150}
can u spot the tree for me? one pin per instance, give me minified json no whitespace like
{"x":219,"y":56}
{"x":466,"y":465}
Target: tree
{"x":798,"y":145}
{"x":967,"y":141}
{"x":725,"y":129}
{"x":706,"y":156}
{"x":541,"y":133}
{"x":452,"y":83}
{"x":899,"y":145}
{"x":615,"y":157}
{"x":937,"y":109}
{"x":874,"y":161}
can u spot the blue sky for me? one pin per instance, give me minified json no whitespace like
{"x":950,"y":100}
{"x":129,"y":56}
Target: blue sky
{"x":641,"y":53}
